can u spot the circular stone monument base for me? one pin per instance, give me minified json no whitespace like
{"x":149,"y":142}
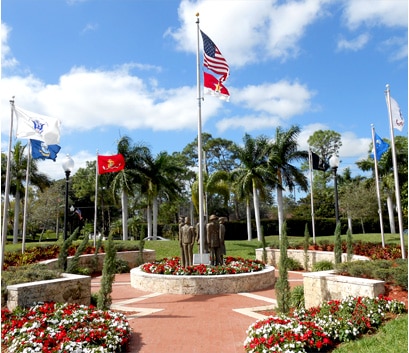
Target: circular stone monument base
{"x":213,"y":284}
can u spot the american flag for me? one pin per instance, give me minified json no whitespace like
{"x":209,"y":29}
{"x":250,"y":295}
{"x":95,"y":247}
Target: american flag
{"x":213,"y":58}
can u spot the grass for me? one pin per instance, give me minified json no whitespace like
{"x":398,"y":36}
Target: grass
{"x":247,"y":249}
{"x":392,"y":337}
{"x":236,"y":248}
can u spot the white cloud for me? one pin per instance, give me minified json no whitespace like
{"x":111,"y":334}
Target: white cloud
{"x":352,"y":146}
{"x":283,"y":99}
{"x":89,"y":27}
{"x":84,"y":100}
{"x":288,"y":23}
{"x":354,"y":44}
{"x":248,"y":123}
{"x":266,"y":29}
{"x":7,"y":59}
{"x":389,"y":13}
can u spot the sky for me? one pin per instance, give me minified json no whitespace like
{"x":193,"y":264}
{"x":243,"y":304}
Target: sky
{"x":113,"y":68}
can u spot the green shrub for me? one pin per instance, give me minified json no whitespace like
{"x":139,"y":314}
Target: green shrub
{"x":400,"y":275}
{"x":121,"y":266}
{"x":390,"y":271}
{"x":297,"y":297}
{"x":323,"y":266}
{"x":25,"y":274}
{"x":294,"y":265}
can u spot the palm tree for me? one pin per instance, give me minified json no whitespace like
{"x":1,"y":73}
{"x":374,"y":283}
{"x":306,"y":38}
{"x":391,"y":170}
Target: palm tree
{"x":283,"y":152}
{"x":216,"y":183}
{"x":160,"y":176}
{"x":127,"y":179}
{"x":18,"y":170}
{"x":253,"y":173}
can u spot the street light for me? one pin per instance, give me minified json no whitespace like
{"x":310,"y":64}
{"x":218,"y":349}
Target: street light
{"x":68,"y":166}
{"x":334,"y":164}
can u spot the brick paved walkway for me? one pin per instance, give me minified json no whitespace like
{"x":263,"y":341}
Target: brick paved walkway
{"x":174,"y":323}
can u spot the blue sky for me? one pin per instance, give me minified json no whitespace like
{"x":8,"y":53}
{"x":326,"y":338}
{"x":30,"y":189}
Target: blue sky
{"x":110,"y":68}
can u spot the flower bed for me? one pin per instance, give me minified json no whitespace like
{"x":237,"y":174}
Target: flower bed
{"x":52,"y":327}
{"x":320,"y":327}
{"x":236,"y":275}
{"x":172,"y":266}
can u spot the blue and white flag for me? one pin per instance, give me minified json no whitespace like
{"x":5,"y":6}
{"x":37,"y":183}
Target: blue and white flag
{"x":35,"y":126}
{"x":40,"y":150}
{"x":380,"y":147}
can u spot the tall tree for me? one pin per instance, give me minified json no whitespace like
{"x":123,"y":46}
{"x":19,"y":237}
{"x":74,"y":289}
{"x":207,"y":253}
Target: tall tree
{"x":284,"y":151}
{"x":254,"y":173}
{"x":160,"y":175}
{"x":18,"y":170}
{"x":129,"y":178}
{"x":216,"y":183}
{"x":385,"y":170}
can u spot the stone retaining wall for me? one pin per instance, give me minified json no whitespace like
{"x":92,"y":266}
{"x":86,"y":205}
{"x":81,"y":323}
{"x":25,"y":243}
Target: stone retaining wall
{"x":71,"y":288}
{"x":217,"y":284}
{"x":68,"y":289}
{"x":314,"y":256}
{"x":131,"y":257}
{"x":323,"y":286}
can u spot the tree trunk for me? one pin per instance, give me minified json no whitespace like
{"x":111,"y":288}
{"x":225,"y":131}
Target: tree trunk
{"x":149,"y":220}
{"x":257,"y":212}
{"x":350,"y":223}
{"x":124,"y":202}
{"x":16,"y":217}
{"x":248,"y":215}
{"x":155,"y":218}
{"x":390,"y":213}
{"x":280,"y":210}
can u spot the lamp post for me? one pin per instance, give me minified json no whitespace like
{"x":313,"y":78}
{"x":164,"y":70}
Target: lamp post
{"x":334,"y":164}
{"x":68,"y":166}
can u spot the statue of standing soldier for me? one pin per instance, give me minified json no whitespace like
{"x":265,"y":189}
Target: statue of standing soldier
{"x":186,"y":240}
{"x":213,"y":239}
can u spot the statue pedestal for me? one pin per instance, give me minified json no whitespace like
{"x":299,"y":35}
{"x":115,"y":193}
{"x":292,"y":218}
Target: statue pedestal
{"x":201,"y":259}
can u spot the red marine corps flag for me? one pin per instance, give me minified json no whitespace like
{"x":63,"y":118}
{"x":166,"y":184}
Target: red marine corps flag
{"x":111,"y":164}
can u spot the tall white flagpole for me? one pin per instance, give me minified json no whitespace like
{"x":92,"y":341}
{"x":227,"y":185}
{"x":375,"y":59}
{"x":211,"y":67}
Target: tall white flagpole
{"x":378,"y":193}
{"x":7,"y":189}
{"x":96,"y":202}
{"x":312,"y":197}
{"x":199,"y":145}
{"x":23,"y":243}
{"x":395,"y":173}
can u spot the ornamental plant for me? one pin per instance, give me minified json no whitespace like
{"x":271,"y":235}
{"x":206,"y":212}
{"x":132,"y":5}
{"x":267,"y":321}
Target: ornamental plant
{"x":53,"y":327}
{"x":231,"y":265}
{"x":320,"y":328}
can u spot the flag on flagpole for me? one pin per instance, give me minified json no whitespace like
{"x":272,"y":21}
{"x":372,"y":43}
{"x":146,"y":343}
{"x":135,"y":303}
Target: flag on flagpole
{"x":213,"y":58}
{"x":35,"y":126}
{"x":40,"y":150}
{"x":380,"y":147}
{"x":79,"y":213}
{"x":397,"y":117}
{"x":110,"y":164}
{"x":214,"y":87}
{"x":318,"y":163}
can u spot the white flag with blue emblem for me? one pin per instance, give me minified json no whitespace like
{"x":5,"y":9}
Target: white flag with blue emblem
{"x":397,"y":117}
{"x":38,"y":127}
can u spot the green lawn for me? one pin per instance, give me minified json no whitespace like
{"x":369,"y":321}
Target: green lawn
{"x":246,"y":249}
{"x":236,"y":248}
